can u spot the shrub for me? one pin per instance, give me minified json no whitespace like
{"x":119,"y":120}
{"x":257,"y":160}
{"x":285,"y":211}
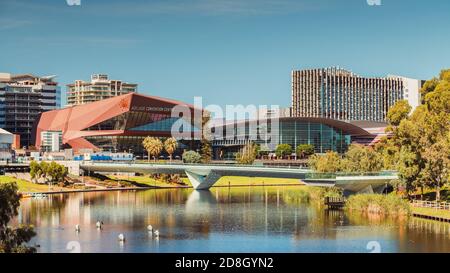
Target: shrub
{"x":247,"y":154}
{"x":191,"y":157}
{"x":378,"y":204}
{"x":283,"y":150}
{"x":304,"y":150}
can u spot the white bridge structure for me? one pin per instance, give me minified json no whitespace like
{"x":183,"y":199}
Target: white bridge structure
{"x":204,"y":176}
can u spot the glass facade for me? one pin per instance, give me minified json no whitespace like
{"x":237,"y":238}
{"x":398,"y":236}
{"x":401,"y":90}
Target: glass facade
{"x":291,"y":131}
{"x":165,"y":125}
{"x":323,"y":137}
{"x":133,"y":144}
{"x":136,"y":126}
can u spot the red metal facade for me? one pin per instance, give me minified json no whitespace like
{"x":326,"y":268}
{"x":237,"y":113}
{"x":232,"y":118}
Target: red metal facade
{"x":74,"y":121}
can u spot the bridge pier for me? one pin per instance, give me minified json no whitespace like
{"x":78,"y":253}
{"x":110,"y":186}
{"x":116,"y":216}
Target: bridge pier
{"x":202,"y":182}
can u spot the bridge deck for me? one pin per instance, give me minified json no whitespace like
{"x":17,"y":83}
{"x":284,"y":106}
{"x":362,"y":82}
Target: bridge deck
{"x":204,"y":176}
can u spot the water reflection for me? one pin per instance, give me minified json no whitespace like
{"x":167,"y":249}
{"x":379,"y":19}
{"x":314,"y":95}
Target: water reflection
{"x":200,"y":202}
{"x":247,"y":219}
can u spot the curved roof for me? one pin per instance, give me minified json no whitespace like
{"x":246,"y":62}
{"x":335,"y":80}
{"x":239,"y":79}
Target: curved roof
{"x":74,"y":120}
{"x":349,"y":128}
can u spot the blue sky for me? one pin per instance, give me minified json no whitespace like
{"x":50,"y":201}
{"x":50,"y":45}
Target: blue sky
{"x":227,"y":51}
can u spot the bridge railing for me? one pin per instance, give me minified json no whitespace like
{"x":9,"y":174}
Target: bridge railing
{"x":194,"y":164}
{"x":431,"y":204}
{"x":316,"y":175}
{"x":309,"y":175}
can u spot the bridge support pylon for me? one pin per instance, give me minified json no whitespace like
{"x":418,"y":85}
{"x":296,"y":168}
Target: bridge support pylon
{"x":202,"y":181}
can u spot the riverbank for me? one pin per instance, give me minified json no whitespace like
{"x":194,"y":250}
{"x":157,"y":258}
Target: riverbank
{"x":224,"y":181}
{"x":432,"y":214}
{"x":27,"y":186}
{"x":390,"y":204}
{"x":143,"y":183}
{"x":393,"y":205}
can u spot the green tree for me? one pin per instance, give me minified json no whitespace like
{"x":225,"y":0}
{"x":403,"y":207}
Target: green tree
{"x":437,"y":165}
{"x":398,"y":112}
{"x":304,"y":150}
{"x":12,"y":240}
{"x":35,"y":171}
{"x":206,"y":149}
{"x":359,"y":158}
{"x":170,"y":145}
{"x":56,"y":172}
{"x":192,"y":157}
{"x":283,"y":150}
{"x":153,"y":145}
{"x":330,"y":162}
{"x":388,"y":152}
{"x":258,"y":150}
{"x":248,"y":154}
{"x":428,"y":87}
{"x":418,"y":141}
{"x":44,"y":167}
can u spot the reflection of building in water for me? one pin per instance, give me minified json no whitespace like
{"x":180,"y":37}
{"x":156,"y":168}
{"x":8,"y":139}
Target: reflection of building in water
{"x":258,"y":212}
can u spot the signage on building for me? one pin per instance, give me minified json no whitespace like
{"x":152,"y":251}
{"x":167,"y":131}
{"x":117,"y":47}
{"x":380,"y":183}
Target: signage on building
{"x":151,"y":108}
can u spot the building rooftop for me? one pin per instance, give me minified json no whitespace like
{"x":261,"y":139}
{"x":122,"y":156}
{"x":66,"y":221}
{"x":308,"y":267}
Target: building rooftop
{"x":4,"y":132}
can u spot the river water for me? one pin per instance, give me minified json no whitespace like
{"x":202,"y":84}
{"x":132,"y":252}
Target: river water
{"x":244,"y":219}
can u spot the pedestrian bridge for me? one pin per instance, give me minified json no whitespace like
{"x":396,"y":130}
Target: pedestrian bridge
{"x":203,"y":176}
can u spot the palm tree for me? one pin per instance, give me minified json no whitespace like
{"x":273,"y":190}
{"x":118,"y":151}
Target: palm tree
{"x":170,"y":145}
{"x":153,"y":145}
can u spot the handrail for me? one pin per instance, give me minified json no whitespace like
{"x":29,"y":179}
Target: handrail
{"x":431,"y":204}
{"x":310,"y":175}
{"x":195,"y":164}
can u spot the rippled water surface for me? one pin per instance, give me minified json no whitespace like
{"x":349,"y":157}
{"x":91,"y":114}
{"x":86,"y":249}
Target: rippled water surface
{"x":247,"y":219}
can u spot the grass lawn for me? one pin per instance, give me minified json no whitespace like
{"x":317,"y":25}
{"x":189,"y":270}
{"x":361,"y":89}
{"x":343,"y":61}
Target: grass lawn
{"x":144,"y":181}
{"x":25,"y":186}
{"x":432,"y":212}
{"x":253,"y":181}
{"x":224,"y":181}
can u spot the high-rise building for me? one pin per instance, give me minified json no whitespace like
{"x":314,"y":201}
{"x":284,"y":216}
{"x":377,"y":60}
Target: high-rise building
{"x":51,"y":141}
{"x":411,"y":90}
{"x":340,"y":94}
{"x":22,"y":99}
{"x":99,"y":88}
{"x":265,"y":113}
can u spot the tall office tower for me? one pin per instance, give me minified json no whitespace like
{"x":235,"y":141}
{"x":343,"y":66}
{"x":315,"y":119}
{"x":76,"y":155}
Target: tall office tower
{"x":99,"y":88}
{"x":411,"y":90}
{"x":22,"y":99}
{"x":340,"y":94}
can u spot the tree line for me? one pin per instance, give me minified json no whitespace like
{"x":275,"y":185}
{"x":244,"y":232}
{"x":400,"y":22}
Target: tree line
{"x":417,"y":144}
{"x":50,"y":172}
